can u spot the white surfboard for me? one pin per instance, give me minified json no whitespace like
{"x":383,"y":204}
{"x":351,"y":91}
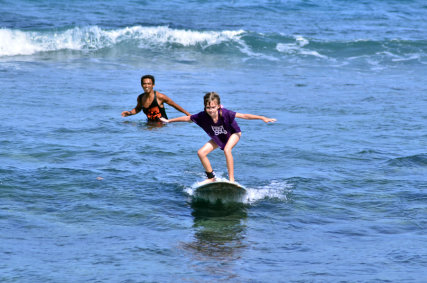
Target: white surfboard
{"x":220,"y":191}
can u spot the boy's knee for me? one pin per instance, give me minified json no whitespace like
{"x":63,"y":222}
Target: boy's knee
{"x":201,"y":153}
{"x":227,"y":150}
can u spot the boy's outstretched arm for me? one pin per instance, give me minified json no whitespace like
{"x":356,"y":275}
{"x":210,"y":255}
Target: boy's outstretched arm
{"x":255,"y":117}
{"x":178,"y":119}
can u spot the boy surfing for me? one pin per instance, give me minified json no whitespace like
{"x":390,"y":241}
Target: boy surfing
{"x":220,"y":125}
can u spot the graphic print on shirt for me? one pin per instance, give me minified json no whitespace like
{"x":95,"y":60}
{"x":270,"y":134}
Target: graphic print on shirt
{"x":219,"y":130}
{"x":154,"y":113}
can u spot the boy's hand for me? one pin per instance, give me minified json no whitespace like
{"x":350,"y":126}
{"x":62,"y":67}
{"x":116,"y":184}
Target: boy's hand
{"x":268,"y":120}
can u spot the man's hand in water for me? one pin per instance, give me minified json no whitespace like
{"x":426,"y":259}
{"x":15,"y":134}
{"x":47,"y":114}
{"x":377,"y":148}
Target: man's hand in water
{"x":164,"y":120}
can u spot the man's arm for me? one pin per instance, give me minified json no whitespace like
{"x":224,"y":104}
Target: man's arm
{"x":165,"y":99}
{"x":255,"y":117}
{"x":134,"y":111}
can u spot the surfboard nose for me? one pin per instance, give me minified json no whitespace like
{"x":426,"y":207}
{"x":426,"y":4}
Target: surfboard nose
{"x":220,"y":192}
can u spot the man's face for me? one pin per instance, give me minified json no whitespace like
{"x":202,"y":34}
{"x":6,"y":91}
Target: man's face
{"x":147,"y":85}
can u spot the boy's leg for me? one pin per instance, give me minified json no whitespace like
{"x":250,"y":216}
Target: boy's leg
{"x":203,"y":155}
{"x":232,"y":141}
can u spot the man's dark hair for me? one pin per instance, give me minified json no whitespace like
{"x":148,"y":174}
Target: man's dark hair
{"x":148,"y":77}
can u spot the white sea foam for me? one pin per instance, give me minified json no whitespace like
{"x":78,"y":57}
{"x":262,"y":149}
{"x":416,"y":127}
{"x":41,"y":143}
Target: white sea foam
{"x":301,"y":41}
{"x":298,"y":48}
{"x":16,"y":42}
{"x":275,"y":190}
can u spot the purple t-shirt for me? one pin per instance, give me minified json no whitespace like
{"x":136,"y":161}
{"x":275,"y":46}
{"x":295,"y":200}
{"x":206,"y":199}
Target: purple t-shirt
{"x":221,"y":131}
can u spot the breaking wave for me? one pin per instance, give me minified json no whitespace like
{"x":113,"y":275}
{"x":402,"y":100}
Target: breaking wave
{"x":14,"y":42}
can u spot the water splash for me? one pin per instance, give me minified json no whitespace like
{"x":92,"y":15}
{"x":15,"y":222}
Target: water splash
{"x":274,"y":190}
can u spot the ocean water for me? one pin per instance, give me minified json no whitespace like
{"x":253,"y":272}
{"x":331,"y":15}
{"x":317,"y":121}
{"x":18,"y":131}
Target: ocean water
{"x":337,"y":187}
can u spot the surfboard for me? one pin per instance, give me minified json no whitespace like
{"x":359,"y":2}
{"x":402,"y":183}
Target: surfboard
{"x":220,"y":191}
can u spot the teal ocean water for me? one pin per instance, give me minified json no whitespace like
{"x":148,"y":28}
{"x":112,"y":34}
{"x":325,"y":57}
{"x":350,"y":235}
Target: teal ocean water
{"x":337,"y":187}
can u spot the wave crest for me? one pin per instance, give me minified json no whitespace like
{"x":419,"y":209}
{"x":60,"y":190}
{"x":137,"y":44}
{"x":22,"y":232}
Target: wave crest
{"x":17,"y":42}
{"x":418,"y":160}
{"x":240,"y":43}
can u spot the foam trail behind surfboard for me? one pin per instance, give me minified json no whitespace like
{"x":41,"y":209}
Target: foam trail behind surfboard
{"x":279,"y":190}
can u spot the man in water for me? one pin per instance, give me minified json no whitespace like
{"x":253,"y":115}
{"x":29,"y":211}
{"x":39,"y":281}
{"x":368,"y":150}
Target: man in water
{"x":151,"y":102}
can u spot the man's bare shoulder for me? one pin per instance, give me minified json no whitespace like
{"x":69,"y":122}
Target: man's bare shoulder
{"x":162,"y":97}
